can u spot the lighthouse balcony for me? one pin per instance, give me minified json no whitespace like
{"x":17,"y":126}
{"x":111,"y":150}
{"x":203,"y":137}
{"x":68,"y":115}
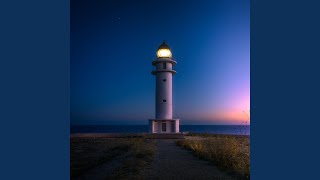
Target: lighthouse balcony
{"x":164,"y":70}
{"x":161,"y":60}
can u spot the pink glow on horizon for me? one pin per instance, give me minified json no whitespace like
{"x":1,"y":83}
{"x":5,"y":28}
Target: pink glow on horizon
{"x":235,"y":111}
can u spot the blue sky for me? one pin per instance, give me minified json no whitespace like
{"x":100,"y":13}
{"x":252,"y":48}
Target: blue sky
{"x":114,"y":42}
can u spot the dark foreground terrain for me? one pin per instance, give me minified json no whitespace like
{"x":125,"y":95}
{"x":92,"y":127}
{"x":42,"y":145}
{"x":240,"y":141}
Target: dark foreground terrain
{"x":141,"y":157}
{"x":114,"y":158}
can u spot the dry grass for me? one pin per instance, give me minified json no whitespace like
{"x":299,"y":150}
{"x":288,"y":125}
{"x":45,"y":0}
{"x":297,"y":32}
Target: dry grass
{"x":140,"y":154}
{"x":230,"y":153}
{"x":132,"y":154}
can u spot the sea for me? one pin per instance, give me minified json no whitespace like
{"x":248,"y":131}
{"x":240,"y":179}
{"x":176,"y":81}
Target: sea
{"x":210,"y":129}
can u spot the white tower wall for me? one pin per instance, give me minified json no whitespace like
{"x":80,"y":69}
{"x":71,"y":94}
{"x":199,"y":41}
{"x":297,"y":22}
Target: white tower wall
{"x":164,"y":95}
{"x":159,"y":66}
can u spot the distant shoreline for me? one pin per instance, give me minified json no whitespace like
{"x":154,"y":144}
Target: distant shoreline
{"x":147,"y":125}
{"x":138,"y":129}
{"x":148,"y":135}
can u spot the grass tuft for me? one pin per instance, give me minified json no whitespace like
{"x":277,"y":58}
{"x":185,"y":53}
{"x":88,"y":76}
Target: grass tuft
{"x":230,"y":153}
{"x":133,"y":153}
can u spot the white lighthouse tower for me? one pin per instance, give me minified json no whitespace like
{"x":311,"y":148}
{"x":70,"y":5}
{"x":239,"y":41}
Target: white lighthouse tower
{"x":163,"y":122}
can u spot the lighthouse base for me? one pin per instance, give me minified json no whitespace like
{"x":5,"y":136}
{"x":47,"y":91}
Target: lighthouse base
{"x":164,"y":125}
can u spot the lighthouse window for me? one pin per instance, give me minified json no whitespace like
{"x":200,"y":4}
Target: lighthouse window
{"x":164,"y":65}
{"x":164,"y":80}
{"x":164,"y":127}
{"x":164,"y":100}
{"x":173,"y":127}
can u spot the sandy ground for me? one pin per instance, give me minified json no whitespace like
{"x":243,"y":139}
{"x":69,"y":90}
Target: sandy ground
{"x":173,"y":162}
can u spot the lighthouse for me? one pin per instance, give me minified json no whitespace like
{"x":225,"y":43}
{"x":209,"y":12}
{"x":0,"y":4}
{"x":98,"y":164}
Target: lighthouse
{"x":164,"y":122}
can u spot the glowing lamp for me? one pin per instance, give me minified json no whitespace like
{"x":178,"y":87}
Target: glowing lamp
{"x":164,"y":51}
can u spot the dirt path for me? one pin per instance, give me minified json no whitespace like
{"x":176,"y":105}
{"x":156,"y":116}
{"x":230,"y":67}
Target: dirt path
{"x":174,"y":163}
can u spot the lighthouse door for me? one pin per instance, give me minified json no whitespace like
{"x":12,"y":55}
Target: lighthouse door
{"x":173,"y":127}
{"x":156,"y":127}
{"x":164,"y":127}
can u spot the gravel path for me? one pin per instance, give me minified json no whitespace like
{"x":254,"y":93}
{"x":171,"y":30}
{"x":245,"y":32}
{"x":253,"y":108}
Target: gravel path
{"x":174,"y":163}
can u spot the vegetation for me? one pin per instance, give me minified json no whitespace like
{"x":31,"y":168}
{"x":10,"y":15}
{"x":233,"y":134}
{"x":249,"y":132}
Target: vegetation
{"x":140,"y":154}
{"x":228,"y":152}
{"x":130,"y":155}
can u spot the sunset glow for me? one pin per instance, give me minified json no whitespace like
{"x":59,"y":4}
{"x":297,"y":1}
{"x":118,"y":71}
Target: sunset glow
{"x":113,"y":49}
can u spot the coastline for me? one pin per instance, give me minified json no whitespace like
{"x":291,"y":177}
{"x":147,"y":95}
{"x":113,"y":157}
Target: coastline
{"x":138,"y":129}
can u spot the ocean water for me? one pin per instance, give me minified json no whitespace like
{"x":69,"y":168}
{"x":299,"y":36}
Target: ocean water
{"x":211,"y":129}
